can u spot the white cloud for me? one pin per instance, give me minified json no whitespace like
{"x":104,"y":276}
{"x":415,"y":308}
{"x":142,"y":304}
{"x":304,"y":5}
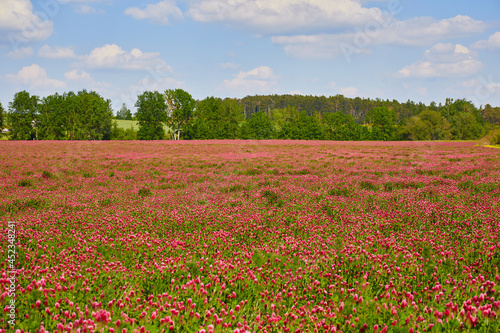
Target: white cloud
{"x":56,"y":52}
{"x":279,"y":16}
{"x":35,"y":77}
{"x":21,"y":52}
{"x":346,"y":91}
{"x":84,"y":9}
{"x":228,"y":65}
{"x":493,"y":42}
{"x":258,"y":80}
{"x":77,"y":75}
{"x":159,"y":13}
{"x":113,"y":56}
{"x":80,"y":76}
{"x":19,"y":24}
{"x":349,"y":91}
{"x":443,"y":60}
{"x":419,"y":31}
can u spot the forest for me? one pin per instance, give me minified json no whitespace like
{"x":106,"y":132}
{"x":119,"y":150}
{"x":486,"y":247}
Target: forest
{"x":174,"y":114}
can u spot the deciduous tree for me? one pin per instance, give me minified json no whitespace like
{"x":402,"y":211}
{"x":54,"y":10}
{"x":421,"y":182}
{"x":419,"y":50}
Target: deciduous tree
{"x":22,"y":116}
{"x":151,"y":114}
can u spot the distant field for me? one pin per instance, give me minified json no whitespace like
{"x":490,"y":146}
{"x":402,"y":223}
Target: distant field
{"x":125,"y":124}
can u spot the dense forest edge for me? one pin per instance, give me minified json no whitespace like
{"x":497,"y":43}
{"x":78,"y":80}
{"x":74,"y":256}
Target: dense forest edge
{"x":175,"y":115}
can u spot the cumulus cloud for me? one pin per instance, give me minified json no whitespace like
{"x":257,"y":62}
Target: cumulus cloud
{"x":19,"y":23}
{"x":21,"y":52}
{"x":349,"y":91}
{"x":492,"y":44}
{"x":80,"y":76}
{"x":77,"y":75}
{"x":279,"y":16}
{"x":419,"y":31}
{"x":443,"y":60}
{"x":35,"y":77}
{"x":56,"y":52}
{"x":113,"y":56}
{"x":84,"y":9}
{"x":258,"y":80}
{"x":346,"y":91}
{"x":159,"y":13}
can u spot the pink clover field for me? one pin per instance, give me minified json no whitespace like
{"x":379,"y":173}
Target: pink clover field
{"x":250,"y":236}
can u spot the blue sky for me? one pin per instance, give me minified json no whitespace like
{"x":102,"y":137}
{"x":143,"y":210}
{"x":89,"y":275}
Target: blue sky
{"x":392,"y":49}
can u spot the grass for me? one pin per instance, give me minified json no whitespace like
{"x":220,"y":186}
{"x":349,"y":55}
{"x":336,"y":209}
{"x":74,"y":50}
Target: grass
{"x":126,"y":124}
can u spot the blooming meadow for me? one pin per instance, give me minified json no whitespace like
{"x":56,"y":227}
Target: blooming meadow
{"x":258,"y":236}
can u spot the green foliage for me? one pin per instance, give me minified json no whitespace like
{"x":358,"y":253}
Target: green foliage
{"x":22,"y":116}
{"x":124,"y":113}
{"x":258,"y":127}
{"x":491,"y":114}
{"x":88,"y":116}
{"x":302,"y":127}
{"x":428,"y":125}
{"x":180,"y":107}
{"x":466,"y":127}
{"x":151,"y":113}
{"x":2,"y":115}
{"x":383,"y":122}
{"x":118,"y":133}
{"x":342,"y":127}
{"x":216,"y":119}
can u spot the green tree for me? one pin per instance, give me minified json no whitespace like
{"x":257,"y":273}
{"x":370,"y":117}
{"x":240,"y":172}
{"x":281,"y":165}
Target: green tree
{"x":216,"y":119}
{"x":151,"y":114}
{"x":94,"y":116}
{"x":22,"y":116}
{"x":124,"y":113}
{"x":52,"y":118}
{"x":180,"y":109}
{"x":281,"y":116}
{"x":2,"y":114}
{"x":231,"y":115}
{"x":491,"y":114}
{"x":383,"y":121}
{"x":437,"y":127}
{"x":258,"y":127}
{"x":340,"y":126}
{"x":309,"y":127}
{"x":467,"y":127}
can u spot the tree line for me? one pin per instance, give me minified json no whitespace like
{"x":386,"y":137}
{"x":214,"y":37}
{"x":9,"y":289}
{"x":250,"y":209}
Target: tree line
{"x":174,"y":114}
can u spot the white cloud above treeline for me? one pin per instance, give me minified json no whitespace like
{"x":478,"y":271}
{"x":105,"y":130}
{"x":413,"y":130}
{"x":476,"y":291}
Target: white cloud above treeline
{"x":35,"y":77}
{"x":113,"y":56}
{"x":443,"y":60}
{"x":258,"y":80}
